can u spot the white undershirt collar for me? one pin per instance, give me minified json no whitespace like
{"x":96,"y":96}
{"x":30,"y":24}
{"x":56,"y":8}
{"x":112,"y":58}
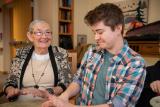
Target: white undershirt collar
{"x":36,"y":56}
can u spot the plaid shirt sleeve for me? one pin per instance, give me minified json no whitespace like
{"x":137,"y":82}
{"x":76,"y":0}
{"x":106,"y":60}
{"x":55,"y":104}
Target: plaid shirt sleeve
{"x":132,"y":84}
{"x":79,"y":75}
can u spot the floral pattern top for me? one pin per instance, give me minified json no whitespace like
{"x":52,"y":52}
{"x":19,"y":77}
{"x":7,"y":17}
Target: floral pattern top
{"x":59,"y":61}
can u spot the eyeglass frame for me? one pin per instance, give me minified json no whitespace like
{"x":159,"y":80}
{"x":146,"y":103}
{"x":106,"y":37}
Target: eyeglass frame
{"x":42,"y":33}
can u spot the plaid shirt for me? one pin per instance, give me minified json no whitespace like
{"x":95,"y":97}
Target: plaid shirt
{"x":124,"y":80}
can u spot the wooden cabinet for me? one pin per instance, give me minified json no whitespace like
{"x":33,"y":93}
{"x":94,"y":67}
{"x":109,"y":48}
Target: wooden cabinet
{"x":146,"y":48}
{"x":1,"y":44}
{"x":65,"y":24}
{"x":146,"y":39}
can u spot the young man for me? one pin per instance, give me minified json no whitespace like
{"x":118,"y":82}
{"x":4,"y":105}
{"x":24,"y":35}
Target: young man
{"x":111,"y":73}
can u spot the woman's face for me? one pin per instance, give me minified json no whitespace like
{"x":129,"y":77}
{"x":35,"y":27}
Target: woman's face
{"x":41,"y":36}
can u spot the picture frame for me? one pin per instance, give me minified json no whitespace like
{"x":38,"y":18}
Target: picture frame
{"x":81,"y":39}
{"x":135,"y":13}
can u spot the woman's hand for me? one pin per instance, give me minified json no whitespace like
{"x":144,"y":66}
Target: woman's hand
{"x":35,"y":92}
{"x":11,"y":92}
{"x":57,"y":90}
{"x":155,"y":86}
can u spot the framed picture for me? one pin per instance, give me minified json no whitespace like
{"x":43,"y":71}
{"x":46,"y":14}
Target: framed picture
{"x":135,"y":13}
{"x":81,"y":39}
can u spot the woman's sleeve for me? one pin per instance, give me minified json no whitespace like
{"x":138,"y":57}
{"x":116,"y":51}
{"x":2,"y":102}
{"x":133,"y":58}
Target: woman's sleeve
{"x":64,"y":69}
{"x":13,"y":75}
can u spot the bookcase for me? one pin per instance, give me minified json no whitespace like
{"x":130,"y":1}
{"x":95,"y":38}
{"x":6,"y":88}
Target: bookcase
{"x":65,"y":24}
{"x":1,"y":43}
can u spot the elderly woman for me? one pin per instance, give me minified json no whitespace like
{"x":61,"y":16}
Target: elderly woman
{"x":38,"y":68}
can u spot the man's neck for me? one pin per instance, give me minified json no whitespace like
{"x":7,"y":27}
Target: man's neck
{"x":117,"y":46}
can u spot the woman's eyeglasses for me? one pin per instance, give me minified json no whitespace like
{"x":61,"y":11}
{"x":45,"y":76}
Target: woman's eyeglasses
{"x":39,"y":33}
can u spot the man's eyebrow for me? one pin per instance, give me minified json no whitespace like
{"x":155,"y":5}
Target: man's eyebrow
{"x":99,"y":30}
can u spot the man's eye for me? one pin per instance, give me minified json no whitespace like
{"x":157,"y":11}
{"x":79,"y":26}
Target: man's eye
{"x":100,"y":33}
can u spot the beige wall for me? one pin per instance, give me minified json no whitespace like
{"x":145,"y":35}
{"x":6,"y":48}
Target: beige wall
{"x":22,"y":16}
{"x":48,"y":10}
{"x":1,"y":42}
{"x":5,"y":56}
{"x":154,"y":7}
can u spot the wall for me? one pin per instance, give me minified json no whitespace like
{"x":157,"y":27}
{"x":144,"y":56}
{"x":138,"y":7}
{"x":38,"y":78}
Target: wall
{"x":6,"y":38}
{"x":154,"y":7}
{"x":1,"y":42}
{"x":48,"y":10}
{"x":22,"y":16}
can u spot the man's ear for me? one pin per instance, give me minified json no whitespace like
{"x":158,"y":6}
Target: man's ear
{"x":29,"y":36}
{"x":119,"y":27}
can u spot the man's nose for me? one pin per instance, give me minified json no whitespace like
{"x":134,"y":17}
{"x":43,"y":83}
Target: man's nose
{"x":96,"y":36}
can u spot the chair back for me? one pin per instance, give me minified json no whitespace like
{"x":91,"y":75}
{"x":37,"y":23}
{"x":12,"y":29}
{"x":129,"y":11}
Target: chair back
{"x":73,"y":61}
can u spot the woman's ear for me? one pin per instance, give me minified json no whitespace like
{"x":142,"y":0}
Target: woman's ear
{"x":29,"y":36}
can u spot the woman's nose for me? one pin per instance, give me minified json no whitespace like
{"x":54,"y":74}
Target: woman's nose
{"x":44,"y":35}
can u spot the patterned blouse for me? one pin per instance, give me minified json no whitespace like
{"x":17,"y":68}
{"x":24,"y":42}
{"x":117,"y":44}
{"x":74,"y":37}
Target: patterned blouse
{"x":59,"y":62}
{"x":124,"y":80}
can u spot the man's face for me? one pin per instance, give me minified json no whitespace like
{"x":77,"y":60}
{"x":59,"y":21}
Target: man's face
{"x":105,"y":37}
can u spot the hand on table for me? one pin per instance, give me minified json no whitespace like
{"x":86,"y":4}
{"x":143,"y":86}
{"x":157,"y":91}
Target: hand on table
{"x":35,"y":92}
{"x":155,"y":86}
{"x":11,"y":92}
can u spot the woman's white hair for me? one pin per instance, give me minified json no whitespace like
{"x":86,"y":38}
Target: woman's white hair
{"x":30,"y":29}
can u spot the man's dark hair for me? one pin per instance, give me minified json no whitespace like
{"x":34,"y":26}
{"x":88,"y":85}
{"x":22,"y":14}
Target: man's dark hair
{"x":109,"y":13}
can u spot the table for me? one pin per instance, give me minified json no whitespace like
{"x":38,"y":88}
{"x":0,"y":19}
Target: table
{"x":23,"y":104}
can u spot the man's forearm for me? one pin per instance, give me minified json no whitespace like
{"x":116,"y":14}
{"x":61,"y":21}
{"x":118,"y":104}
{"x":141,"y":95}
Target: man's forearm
{"x":101,"y":105}
{"x":72,"y":90}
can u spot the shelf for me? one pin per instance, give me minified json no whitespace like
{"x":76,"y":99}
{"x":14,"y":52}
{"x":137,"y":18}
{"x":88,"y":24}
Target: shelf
{"x":67,"y":34}
{"x":65,"y":21}
{"x":65,"y":8}
{"x":65,"y":24}
{"x":18,"y":44}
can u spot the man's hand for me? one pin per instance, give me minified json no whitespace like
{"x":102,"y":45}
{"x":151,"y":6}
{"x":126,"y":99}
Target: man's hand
{"x":155,"y":86}
{"x":57,"y":102}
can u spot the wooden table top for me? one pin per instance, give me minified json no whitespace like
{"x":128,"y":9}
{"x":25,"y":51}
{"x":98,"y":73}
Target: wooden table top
{"x":22,"y":104}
